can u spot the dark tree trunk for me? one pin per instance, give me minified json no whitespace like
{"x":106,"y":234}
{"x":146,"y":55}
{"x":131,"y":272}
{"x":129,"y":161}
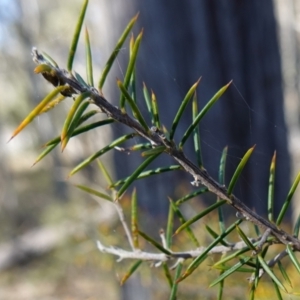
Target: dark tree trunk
{"x":220,"y":41}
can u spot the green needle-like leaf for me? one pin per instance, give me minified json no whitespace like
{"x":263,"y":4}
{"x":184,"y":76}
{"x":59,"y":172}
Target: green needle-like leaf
{"x":53,"y":103}
{"x":202,"y":113}
{"x":230,"y":271}
{"x":175,"y":284}
{"x":147,"y":174}
{"x":293,"y":257}
{"x":182,"y":220}
{"x":45,"y":152}
{"x":80,"y":79}
{"x":134,"y":222}
{"x":148,"y":102}
{"x":115,"y":52}
{"x":196,"y":134}
{"x":50,"y":59}
{"x":279,"y":297}
{"x":256,"y":274}
{"x":288,"y":200}
{"x":141,"y":146}
{"x":284,"y":273}
{"x":221,"y":288}
{"x":222,"y":166}
{"x":135,"y":174}
{"x":198,"y":260}
{"x":271,"y":189}
{"x":74,"y":124}
{"x":182,"y":107}
{"x":200,"y":215}
{"x":82,"y":130}
{"x":155,"y":150}
{"x":35,"y":112}
{"x":297,"y":227}
{"x":76,"y":36}
{"x":130,"y":68}
{"x":241,"y":269}
{"x":155,"y":110}
{"x":87,"y":116}
{"x":245,"y":238}
{"x":215,"y":235}
{"x":154,"y":243}
{"x":222,"y":182}
{"x":239,"y":170}
{"x":72,"y":112}
{"x":167,"y":274}
{"x":135,"y":110}
{"x":88,"y":58}
{"x":234,"y":255}
{"x":104,"y":171}
{"x":107,"y":148}
{"x":270,"y":272}
{"x":132,"y":83}
{"x":187,"y":197}
{"x":131,"y":271}
{"x":94,"y":192}
{"x":169,"y":231}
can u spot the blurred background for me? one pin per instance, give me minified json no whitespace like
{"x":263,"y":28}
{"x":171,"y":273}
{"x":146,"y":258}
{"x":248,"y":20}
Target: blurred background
{"x":48,"y":228}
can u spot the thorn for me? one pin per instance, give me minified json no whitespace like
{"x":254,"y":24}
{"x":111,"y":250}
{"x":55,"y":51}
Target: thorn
{"x":10,"y":139}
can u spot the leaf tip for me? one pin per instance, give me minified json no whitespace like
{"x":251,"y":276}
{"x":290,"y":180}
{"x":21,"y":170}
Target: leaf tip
{"x":10,"y":139}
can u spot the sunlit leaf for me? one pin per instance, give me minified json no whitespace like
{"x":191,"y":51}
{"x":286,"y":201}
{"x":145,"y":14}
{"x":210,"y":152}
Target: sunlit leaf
{"x":53,"y":103}
{"x":35,"y":112}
